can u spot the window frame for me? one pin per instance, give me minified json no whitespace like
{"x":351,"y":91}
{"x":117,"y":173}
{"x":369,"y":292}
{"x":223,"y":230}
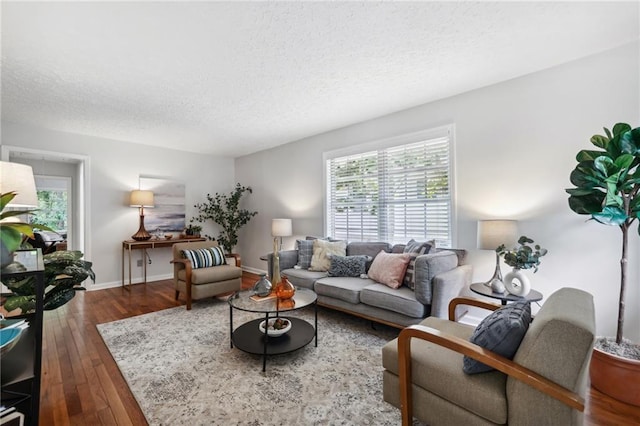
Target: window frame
{"x":390,"y":142}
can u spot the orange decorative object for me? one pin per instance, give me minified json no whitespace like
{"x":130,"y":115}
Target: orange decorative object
{"x":284,"y":289}
{"x":286,"y":304}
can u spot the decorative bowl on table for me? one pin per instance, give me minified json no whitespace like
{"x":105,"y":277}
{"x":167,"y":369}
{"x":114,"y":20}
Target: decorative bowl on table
{"x":277,"y":326}
{"x":168,"y":236}
{"x":8,"y":339}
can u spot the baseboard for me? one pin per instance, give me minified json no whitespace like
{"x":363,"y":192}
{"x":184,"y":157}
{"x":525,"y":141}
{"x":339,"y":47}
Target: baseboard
{"x":254,"y":270}
{"x":113,"y":284}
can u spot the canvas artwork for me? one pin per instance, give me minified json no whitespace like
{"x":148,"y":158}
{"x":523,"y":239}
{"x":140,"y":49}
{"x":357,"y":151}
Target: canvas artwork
{"x":168,"y":215}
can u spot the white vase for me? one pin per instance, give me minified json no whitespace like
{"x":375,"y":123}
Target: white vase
{"x":517,"y":282}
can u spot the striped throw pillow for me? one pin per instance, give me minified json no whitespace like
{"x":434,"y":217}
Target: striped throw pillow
{"x":205,"y":257}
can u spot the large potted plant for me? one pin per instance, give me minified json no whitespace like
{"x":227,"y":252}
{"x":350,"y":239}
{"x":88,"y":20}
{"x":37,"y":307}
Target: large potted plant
{"x":607,"y":188}
{"x":225,"y":211}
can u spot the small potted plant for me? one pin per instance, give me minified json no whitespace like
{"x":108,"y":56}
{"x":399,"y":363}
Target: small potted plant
{"x":193,"y":230}
{"x":520,"y":258}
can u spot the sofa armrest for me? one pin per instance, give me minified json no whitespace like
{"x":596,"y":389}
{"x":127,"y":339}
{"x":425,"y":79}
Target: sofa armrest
{"x":288,"y":259}
{"x":446,"y":287}
{"x":428,"y":266}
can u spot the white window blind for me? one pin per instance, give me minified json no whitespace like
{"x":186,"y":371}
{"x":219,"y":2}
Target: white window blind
{"x":392,"y":193}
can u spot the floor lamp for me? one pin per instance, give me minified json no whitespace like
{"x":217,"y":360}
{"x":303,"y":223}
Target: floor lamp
{"x":493,"y":233}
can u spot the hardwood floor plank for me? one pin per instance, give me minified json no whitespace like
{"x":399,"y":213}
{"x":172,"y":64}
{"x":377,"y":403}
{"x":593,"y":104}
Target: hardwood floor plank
{"x":81,"y":383}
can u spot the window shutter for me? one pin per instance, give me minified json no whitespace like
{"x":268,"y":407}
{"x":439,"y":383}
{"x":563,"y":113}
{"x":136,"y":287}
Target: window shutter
{"x":392,"y":194}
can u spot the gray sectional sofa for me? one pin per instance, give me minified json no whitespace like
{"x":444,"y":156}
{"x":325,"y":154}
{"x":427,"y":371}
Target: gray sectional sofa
{"x":440,"y":275}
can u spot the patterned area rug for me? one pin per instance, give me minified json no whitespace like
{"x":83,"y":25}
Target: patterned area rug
{"x":181,"y":369}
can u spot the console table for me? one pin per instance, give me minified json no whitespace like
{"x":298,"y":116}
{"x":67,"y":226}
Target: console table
{"x":129,"y":245}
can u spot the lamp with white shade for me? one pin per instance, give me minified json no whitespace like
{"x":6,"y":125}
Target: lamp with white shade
{"x":492,"y":234}
{"x":18,"y":178}
{"x":141,"y":199}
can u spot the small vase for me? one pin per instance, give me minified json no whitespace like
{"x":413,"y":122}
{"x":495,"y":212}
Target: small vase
{"x":284,"y":289}
{"x":263,"y":286}
{"x":517,"y":283}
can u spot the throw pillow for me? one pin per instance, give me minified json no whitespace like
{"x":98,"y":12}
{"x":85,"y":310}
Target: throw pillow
{"x":389,"y":268}
{"x":322,"y":250}
{"x":348,"y":266}
{"x":500,"y":332}
{"x":305,"y":253}
{"x":415,"y":249}
{"x":205,"y":257}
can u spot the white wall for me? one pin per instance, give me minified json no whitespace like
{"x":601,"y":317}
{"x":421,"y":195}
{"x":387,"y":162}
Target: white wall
{"x":114,"y":170}
{"x":515,"y":146}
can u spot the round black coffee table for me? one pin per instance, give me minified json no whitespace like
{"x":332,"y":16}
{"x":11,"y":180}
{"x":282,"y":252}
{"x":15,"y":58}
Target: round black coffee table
{"x":248,"y":337}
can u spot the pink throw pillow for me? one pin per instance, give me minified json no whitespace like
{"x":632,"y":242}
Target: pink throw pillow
{"x":389,"y":268}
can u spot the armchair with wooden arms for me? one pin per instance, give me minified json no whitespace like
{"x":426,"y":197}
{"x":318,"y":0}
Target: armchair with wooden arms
{"x":544,"y":384}
{"x":203,"y":282}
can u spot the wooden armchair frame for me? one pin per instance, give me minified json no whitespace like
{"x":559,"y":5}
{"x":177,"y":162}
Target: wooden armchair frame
{"x":187,"y":280}
{"x":467,"y":348}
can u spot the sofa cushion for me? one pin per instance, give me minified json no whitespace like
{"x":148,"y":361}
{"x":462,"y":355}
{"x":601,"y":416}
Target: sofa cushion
{"x":500,"y":332}
{"x":343,"y":288}
{"x":305,"y":253}
{"x":389,"y":268}
{"x":213,"y":274}
{"x":401,"y":300}
{"x":435,"y":367}
{"x":205,"y":257}
{"x":368,"y":248}
{"x":303,"y":277}
{"x":348,"y":266}
{"x":415,"y":248}
{"x":322,"y":250}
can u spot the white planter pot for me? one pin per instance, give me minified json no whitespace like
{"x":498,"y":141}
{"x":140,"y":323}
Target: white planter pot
{"x":517,"y":282}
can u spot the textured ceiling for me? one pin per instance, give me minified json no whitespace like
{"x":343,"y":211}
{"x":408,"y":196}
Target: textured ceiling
{"x":231,"y":78}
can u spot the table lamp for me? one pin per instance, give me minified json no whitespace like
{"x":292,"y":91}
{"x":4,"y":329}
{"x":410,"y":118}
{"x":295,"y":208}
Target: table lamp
{"x":141,"y":199}
{"x":279,"y":228}
{"x":18,"y":178}
{"x":493,"y":233}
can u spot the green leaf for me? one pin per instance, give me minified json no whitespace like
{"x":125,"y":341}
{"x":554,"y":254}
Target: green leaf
{"x":624,"y":161}
{"x":580,"y":191}
{"x":608,"y":133}
{"x":604,"y":164}
{"x":611,"y":216}
{"x":630,"y":142}
{"x":600,"y":141}
{"x":6,"y":199}
{"x":620,"y":128}
{"x":588,"y":204}
{"x":589,"y":155}
{"x":25,"y":303}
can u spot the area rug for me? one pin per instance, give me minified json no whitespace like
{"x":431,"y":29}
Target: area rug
{"x":181,"y":369}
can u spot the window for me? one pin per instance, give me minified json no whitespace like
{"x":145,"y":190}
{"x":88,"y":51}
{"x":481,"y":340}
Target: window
{"x":393,"y":190}
{"x":53,"y":203}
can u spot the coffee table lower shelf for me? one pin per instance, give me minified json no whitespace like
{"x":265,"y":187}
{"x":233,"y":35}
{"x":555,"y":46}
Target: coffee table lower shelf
{"x":250,"y":339}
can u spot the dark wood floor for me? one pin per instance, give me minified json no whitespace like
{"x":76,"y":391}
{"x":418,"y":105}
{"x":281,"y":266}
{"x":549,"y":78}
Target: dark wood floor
{"x":81,"y":384}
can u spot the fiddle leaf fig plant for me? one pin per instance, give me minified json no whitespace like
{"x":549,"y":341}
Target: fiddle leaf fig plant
{"x":225,"y":211}
{"x":607,"y":188}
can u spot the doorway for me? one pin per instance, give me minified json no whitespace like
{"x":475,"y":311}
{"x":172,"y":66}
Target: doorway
{"x":53,"y":170}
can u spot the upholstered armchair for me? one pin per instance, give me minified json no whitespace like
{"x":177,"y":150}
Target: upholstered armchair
{"x":201,"y":270}
{"x":544,"y":383}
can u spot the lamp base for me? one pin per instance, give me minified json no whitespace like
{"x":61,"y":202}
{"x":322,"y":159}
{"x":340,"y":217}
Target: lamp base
{"x":497,"y":275}
{"x":142,"y":234}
